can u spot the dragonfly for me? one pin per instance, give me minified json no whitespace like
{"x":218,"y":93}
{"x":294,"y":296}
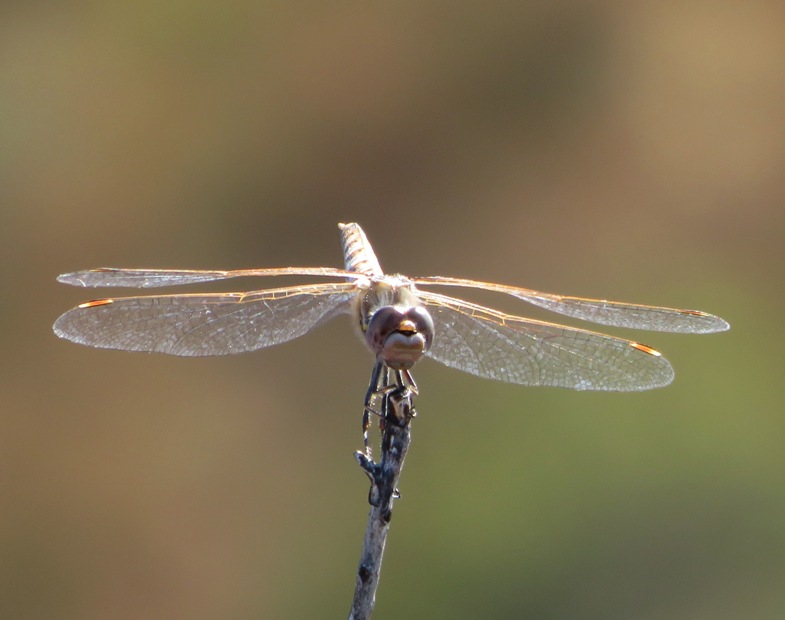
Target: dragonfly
{"x":401,"y":320}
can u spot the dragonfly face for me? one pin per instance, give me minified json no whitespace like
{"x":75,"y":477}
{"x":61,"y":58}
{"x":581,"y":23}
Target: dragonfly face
{"x":397,"y":327}
{"x":398,"y":320}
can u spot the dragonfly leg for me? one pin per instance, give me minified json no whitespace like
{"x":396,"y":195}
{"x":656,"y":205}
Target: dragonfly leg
{"x":392,"y":391}
{"x":397,"y":410}
{"x":373,"y":389}
{"x":407,"y":376}
{"x":399,"y":399}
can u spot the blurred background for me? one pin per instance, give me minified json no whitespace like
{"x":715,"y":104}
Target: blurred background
{"x":628,"y":151}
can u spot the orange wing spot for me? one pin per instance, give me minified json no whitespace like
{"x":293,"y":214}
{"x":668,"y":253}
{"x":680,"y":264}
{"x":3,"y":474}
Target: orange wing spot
{"x":693,"y":312}
{"x":96,"y":302}
{"x":645,"y":349}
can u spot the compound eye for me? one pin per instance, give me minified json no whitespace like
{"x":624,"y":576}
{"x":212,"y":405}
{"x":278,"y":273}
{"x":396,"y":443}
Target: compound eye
{"x":423,"y":323}
{"x":384,"y":322}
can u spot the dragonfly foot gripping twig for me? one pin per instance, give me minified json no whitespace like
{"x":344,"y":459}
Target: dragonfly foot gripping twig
{"x":397,"y":411}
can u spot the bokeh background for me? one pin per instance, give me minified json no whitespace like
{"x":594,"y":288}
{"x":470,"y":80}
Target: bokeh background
{"x":622,"y":150}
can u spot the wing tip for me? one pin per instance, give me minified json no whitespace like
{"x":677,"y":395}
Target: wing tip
{"x":61,"y":331}
{"x":73,"y":279}
{"x":710,"y":323}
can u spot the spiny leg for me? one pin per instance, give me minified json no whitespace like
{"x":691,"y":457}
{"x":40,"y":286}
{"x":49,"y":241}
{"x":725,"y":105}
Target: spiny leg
{"x":391,"y":388}
{"x":409,"y":381}
{"x":379,"y":376}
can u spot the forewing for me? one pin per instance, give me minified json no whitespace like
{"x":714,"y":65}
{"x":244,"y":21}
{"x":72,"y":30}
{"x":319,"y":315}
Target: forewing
{"x":198,"y":325}
{"x":150,"y":278}
{"x":602,"y":311}
{"x":513,"y":349}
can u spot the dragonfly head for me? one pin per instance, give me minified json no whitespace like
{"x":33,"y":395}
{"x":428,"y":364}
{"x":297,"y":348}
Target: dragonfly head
{"x":400,"y":335}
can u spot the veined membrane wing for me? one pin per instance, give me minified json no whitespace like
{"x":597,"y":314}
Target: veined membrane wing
{"x":494,"y":345}
{"x":205,"y":324}
{"x":601,"y":311}
{"x":150,"y":278}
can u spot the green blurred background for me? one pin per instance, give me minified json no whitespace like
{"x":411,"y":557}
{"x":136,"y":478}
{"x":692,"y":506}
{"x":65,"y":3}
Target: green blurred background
{"x":624,"y":150}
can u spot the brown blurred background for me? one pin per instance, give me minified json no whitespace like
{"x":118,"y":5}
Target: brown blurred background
{"x":622,"y":150}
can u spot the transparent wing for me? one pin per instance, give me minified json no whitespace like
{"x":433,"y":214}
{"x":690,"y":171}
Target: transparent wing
{"x":196,"y":325}
{"x":149,"y":278}
{"x":513,"y":349}
{"x":602,"y":311}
